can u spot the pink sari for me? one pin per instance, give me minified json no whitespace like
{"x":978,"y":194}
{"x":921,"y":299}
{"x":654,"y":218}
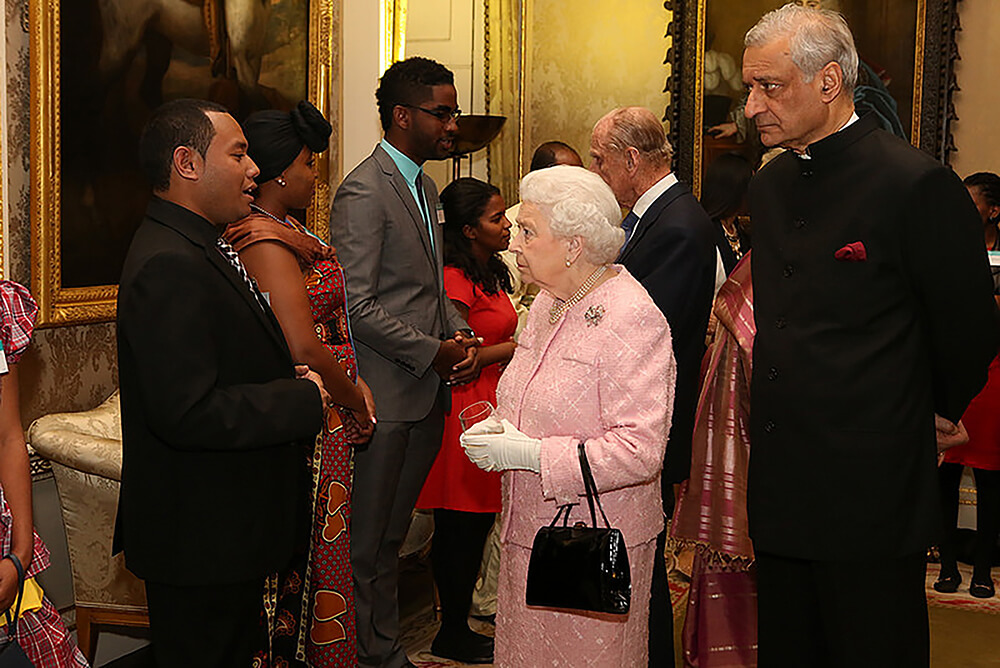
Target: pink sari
{"x":720,"y":627}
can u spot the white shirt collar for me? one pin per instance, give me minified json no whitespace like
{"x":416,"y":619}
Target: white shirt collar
{"x":647,"y":198}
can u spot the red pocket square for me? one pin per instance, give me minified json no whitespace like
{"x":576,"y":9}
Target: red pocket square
{"x":852,"y":252}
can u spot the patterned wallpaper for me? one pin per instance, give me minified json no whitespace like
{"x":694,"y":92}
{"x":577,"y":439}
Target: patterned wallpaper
{"x":584,"y":63}
{"x":66,"y":368}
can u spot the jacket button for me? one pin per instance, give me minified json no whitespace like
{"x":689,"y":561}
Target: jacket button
{"x":769,"y":426}
{"x":772,"y":374}
{"x":807,"y":173}
{"x":788,"y":271}
{"x":799,"y":223}
{"x":780,"y":323}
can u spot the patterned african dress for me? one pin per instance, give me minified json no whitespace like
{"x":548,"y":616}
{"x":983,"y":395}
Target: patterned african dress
{"x":309,"y":608}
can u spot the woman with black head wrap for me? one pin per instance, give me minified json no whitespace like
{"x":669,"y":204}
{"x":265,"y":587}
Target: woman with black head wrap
{"x":309,"y":607}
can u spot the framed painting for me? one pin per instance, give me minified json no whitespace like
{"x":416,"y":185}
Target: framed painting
{"x":98,"y":69}
{"x":906,"y":48}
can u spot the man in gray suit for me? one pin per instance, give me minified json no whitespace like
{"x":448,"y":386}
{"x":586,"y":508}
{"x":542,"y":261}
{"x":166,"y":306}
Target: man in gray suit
{"x":411,"y":342}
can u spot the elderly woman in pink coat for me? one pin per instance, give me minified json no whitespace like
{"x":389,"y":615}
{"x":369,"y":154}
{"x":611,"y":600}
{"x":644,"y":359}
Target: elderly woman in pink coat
{"x":594,"y":364}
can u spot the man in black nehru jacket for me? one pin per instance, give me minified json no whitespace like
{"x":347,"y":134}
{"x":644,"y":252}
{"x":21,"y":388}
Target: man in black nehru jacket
{"x":875,"y":324}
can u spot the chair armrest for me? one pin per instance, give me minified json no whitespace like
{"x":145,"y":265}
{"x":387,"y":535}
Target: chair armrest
{"x":91,"y":454}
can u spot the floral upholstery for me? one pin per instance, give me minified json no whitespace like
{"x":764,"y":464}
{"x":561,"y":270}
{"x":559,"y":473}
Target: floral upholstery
{"x":85,"y":450}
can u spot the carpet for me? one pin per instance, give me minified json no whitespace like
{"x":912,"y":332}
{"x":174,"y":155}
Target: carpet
{"x":961,"y":599}
{"x":417,"y":629}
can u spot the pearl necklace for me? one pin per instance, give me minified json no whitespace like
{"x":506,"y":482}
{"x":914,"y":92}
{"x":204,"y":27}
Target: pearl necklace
{"x":267,"y":213}
{"x":559,"y":307}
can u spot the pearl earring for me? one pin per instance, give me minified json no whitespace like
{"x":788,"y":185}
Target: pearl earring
{"x":281,"y":181}
{"x":568,"y":263}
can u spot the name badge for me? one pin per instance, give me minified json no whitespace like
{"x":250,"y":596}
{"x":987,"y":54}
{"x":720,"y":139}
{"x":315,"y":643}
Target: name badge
{"x":440,"y":214}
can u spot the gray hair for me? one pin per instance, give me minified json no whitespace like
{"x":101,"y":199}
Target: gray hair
{"x":577,"y":203}
{"x":638,"y":128}
{"x":816,"y":37}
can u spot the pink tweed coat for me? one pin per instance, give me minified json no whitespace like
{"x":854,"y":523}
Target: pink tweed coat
{"x":604,"y":374}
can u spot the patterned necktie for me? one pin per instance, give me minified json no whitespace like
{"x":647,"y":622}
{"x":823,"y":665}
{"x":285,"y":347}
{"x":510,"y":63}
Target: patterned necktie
{"x":234,"y":259}
{"x":628,"y":225}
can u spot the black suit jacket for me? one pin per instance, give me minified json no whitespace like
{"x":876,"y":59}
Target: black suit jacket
{"x":852,"y":358}
{"x":672,"y":253}
{"x":213,"y":420}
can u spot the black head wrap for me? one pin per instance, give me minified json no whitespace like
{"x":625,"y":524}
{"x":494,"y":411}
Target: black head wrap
{"x":276,"y":138}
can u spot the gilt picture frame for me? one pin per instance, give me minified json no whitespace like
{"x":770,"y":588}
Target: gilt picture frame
{"x":90,"y":96}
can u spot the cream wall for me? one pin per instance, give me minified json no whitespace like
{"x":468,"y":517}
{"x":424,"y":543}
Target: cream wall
{"x":585,"y":62}
{"x":360,"y":72}
{"x":451,"y":32}
{"x":977,"y":130}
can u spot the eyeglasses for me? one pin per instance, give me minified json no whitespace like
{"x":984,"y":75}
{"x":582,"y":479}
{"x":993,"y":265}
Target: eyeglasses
{"x":443,"y":114}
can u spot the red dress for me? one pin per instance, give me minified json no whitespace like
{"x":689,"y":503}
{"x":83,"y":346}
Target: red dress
{"x":454,"y":482}
{"x":982,"y":421}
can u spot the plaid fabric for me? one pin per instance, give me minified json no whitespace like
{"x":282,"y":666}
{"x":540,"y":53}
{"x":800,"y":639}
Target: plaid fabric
{"x":17,"y":319}
{"x":45,"y":639}
{"x":40,"y":633}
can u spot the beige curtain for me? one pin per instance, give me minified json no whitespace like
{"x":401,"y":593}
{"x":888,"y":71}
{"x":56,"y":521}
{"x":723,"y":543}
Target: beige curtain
{"x":503,"y":88}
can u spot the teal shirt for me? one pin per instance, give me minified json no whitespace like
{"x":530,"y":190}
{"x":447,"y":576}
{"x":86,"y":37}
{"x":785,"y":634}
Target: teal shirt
{"x":410,"y":170}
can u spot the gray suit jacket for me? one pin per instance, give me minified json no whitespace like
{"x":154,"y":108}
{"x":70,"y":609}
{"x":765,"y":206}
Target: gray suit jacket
{"x":395,"y":290}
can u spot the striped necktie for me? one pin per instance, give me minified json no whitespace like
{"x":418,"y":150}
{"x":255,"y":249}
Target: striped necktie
{"x":234,"y":259}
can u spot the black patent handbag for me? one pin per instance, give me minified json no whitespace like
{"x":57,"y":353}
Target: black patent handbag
{"x":11,"y":654}
{"x":580,"y":567}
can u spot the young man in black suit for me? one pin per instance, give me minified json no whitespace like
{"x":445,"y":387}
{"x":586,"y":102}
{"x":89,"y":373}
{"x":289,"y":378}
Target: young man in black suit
{"x":214,"y":412}
{"x":669,"y":248}
{"x":875,"y":323}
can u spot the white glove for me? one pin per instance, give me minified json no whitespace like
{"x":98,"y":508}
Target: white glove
{"x":494,"y":445}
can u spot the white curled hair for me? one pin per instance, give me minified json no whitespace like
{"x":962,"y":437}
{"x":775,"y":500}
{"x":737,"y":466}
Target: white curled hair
{"x":815,"y":37}
{"x":577,"y":203}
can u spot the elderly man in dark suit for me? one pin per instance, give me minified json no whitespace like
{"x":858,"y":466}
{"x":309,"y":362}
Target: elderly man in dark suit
{"x":874,"y":312}
{"x":669,"y":248}
{"x":411,"y":342}
{"x":213,"y":486}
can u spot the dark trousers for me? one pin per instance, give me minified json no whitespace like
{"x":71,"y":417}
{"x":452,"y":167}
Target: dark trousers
{"x":388,"y":475}
{"x":661,"y":611}
{"x":842,"y":614}
{"x":202,"y":627}
{"x":456,"y":553}
{"x":987,"y":520}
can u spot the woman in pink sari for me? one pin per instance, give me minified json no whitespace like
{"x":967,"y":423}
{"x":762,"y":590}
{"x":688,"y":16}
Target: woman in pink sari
{"x":720,"y":627}
{"x":593,"y":365}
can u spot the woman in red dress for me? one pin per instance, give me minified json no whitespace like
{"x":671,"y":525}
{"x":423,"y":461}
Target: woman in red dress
{"x":465,"y":498}
{"x":309,"y":607}
{"x":982,"y":452}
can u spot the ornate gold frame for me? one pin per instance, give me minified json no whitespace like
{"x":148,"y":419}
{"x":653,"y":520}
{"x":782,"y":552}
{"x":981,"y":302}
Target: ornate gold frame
{"x":932,"y":81}
{"x":70,"y":306}
{"x":392,"y":33}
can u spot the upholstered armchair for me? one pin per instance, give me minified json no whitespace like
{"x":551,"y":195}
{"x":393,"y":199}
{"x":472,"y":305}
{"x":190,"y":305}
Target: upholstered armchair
{"x":85,"y":450}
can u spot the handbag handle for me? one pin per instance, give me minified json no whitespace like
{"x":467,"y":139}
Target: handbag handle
{"x":559,"y":513}
{"x":12,"y":623}
{"x":591,"y":487}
